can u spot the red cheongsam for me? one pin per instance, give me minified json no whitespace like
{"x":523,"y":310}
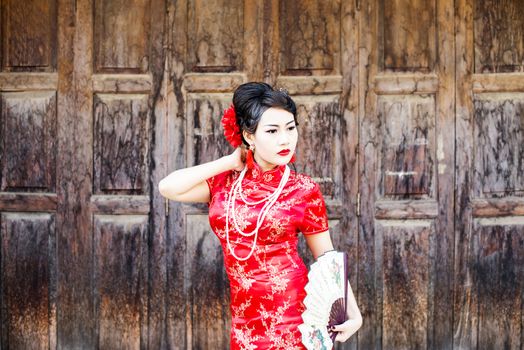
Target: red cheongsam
{"x":267,"y":290}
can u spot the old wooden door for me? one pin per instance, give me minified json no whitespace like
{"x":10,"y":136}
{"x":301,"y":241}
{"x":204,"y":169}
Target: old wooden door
{"x":81,"y":265}
{"x":406,"y":173}
{"x":489,"y":213}
{"x":306,"y":47}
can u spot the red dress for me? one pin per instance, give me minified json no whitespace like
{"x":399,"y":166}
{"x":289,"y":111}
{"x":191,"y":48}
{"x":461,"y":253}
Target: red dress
{"x":267,"y":290}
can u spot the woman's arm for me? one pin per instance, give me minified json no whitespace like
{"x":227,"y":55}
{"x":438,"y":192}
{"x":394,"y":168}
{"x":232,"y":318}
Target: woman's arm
{"x":319,"y":244}
{"x":189,"y":184}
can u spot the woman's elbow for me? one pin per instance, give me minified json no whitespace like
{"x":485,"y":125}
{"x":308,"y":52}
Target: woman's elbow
{"x":165,"y":190}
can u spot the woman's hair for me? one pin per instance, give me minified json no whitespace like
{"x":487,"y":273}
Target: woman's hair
{"x":252,"y":99}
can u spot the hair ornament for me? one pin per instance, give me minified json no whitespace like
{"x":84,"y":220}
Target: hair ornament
{"x":231,"y":128}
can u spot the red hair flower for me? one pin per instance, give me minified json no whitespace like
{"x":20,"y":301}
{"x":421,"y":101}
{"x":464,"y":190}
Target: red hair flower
{"x":231,"y":128}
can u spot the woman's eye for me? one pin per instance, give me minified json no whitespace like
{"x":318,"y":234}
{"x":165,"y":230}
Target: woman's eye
{"x":271,"y":131}
{"x":291,"y":128}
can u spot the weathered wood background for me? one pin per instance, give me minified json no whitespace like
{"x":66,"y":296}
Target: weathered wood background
{"x":411,"y":118}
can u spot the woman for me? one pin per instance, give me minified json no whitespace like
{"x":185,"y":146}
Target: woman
{"x":257,"y":206}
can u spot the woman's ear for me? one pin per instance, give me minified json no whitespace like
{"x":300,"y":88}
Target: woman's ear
{"x":250,"y":138}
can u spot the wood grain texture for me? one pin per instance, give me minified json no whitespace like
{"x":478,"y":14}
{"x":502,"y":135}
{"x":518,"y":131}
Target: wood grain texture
{"x":29,"y":141}
{"x":208,"y":301}
{"x":204,"y":122}
{"x":122,"y":35}
{"x":409,"y":35}
{"x":215,"y":35}
{"x":498,"y":275}
{"x":120,"y":143}
{"x":499,"y":136}
{"x":408,"y":145}
{"x":28,"y":280}
{"x":499,"y":36}
{"x":29,"y":35}
{"x":310,"y":37}
{"x":405,"y":270}
{"x":120,"y":280}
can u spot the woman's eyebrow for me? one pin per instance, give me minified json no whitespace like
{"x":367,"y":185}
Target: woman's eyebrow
{"x":289,"y":122}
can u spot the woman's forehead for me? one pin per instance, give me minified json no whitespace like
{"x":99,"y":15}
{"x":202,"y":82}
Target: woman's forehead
{"x":276,"y":116}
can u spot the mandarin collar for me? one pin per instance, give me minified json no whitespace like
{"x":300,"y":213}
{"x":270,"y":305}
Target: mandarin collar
{"x":269,"y":176}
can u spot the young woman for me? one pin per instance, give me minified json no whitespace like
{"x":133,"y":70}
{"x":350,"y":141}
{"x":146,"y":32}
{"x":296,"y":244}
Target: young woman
{"x":257,"y":207}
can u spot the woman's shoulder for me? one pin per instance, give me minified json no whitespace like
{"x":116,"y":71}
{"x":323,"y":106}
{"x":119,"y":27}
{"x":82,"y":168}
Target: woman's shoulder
{"x":304,"y":181}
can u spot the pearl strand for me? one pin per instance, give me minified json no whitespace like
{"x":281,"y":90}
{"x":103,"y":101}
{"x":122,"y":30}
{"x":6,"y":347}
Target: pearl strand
{"x":271,"y":199}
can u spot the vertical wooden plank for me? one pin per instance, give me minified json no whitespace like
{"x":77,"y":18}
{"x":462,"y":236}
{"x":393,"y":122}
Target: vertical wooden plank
{"x":173,"y":141}
{"x":440,"y":330}
{"x":370,"y":336}
{"x":157,"y":130}
{"x":348,"y":142}
{"x":465,"y":310}
{"x":74,"y":179}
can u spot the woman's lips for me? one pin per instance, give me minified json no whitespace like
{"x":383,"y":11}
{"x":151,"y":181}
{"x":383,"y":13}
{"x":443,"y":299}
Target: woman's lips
{"x":284,"y":152}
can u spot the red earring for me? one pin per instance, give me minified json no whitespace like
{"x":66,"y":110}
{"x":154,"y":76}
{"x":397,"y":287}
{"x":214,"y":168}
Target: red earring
{"x":249,"y":158}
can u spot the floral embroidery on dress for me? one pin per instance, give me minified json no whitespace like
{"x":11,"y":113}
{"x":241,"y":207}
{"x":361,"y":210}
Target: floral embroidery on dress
{"x":246,"y":338}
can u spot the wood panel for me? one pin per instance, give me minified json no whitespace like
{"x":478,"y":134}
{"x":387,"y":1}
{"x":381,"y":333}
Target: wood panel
{"x":498,"y":36}
{"x":213,"y":33}
{"x":28,"y":152}
{"x":205,"y":142}
{"x":120,"y":280}
{"x":498,"y":275}
{"x":406,"y":282}
{"x":207,"y":286}
{"x":409,"y":35}
{"x":310,"y":37}
{"x":28,"y":35}
{"x":122,"y":35}
{"x":28,"y":281}
{"x":318,"y":150}
{"x":120,"y":143}
{"x":498,"y":140}
{"x":408,"y":145}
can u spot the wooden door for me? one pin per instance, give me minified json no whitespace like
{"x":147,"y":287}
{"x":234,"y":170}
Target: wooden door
{"x":306,"y":47}
{"x":81,"y":241}
{"x":406,"y":159}
{"x":489,"y":214}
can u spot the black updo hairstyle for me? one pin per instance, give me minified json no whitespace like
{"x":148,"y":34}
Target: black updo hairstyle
{"x":252,"y":99}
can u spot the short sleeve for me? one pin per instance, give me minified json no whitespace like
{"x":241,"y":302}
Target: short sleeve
{"x":216,"y":183}
{"x":315,"y":218}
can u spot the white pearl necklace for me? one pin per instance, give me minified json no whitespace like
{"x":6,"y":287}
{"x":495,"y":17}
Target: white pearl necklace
{"x":271,"y":199}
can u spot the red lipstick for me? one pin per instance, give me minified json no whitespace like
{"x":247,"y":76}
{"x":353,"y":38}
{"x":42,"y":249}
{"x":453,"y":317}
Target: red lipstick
{"x":284,"y":152}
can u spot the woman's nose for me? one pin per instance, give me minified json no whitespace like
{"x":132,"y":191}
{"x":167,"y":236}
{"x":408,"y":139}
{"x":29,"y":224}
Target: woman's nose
{"x":283,"y":139}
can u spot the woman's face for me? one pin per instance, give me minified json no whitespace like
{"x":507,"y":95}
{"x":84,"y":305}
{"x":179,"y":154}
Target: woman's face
{"x":276,"y":132}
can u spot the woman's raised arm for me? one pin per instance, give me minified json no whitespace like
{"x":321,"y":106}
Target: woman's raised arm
{"x":189,"y":184}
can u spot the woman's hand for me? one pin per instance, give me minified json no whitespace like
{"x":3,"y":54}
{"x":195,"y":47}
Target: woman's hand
{"x":237,"y":158}
{"x":346,"y":329}
{"x":354,"y":322}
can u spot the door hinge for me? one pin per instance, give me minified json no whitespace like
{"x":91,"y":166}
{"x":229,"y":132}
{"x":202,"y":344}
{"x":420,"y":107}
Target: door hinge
{"x":167,"y":206}
{"x":358,"y":204}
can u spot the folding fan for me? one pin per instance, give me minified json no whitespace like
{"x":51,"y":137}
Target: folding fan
{"x":326,"y":300}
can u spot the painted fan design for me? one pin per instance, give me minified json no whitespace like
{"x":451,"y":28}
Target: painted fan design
{"x":326,"y":300}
